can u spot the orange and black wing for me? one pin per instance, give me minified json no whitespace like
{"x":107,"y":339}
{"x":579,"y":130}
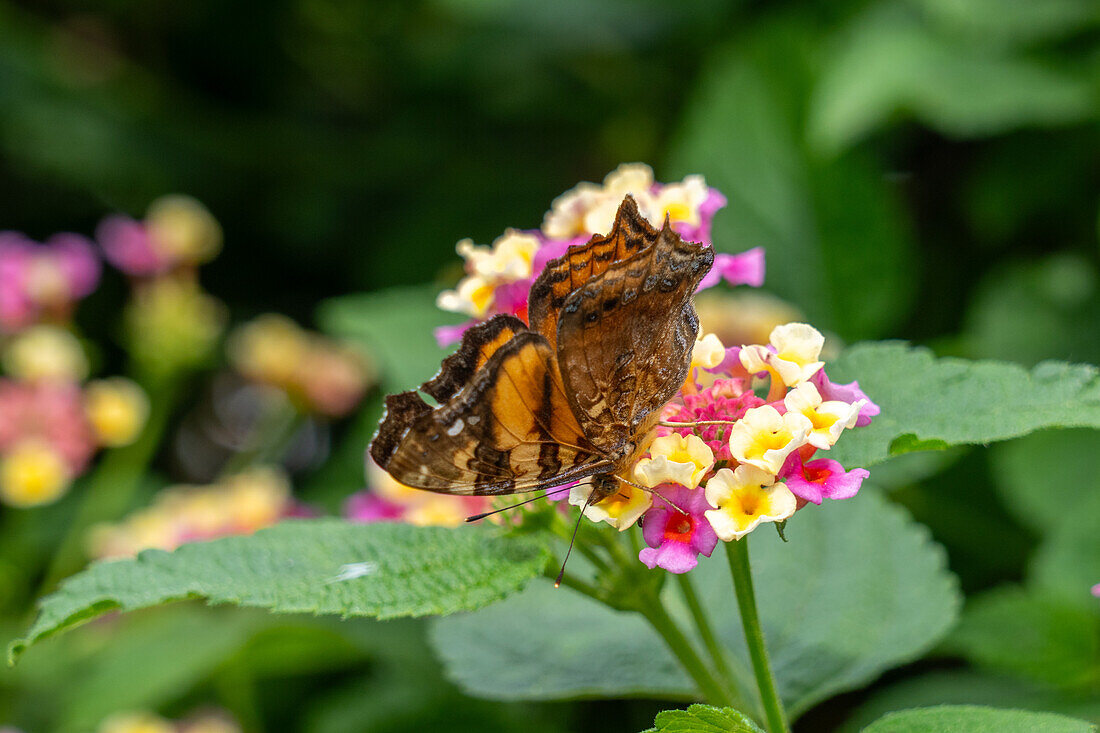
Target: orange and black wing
{"x":625,"y":338}
{"x":630,"y":235}
{"x":503,"y":424}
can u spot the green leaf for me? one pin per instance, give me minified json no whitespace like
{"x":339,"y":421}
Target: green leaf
{"x":939,"y":402}
{"x":964,"y":687}
{"x":891,"y":61}
{"x":859,"y":588}
{"x":308,"y":566}
{"x":974,"y":719}
{"x":1049,"y":501}
{"x":396,"y":325}
{"x":1067,"y":564}
{"x":1028,"y":312}
{"x":704,"y":719}
{"x":1050,"y":642}
{"x":824,"y":223}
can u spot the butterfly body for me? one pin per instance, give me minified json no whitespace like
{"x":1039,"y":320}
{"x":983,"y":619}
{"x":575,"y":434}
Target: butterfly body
{"x":572,"y":397}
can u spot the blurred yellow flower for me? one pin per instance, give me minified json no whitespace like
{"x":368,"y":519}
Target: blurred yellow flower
{"x":183,"y":229}
{"x":117,"y":409}
{"x":32,"y":473}
{"x":45,"y":352}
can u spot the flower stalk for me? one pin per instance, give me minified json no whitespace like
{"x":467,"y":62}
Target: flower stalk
{"x":738,"y":553}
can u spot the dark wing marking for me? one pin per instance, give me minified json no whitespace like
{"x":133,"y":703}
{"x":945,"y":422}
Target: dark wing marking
{"x":478,"y":344}
{"x":630,"y":234}
{"x":625,"y":339}
{"x":509,"y":429}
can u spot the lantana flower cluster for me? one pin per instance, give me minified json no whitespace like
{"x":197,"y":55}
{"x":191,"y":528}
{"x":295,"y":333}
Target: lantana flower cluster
{"x":498,"y":277}
{"x":745,"y":456}
{"x":238,"y":504}
{"x":388,"y":500}
{"x":214,"y":721}
{"x":52,"y":421}
{"x":318,"y":374}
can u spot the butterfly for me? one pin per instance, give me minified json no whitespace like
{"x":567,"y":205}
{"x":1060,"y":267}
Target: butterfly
{"x":572,"y":396}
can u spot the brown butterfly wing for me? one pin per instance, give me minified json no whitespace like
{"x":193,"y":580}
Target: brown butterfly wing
{"x":625,"y":339}
{"x":508,"y":429}
{"x":630,"y":234}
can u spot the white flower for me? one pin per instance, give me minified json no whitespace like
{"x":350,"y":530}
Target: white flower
{"x":764,"y":438}
{"x":797,"y":351}
{"x":828,"y":419}
{"x":621,"y":510}
{"x":675,"y":459}
{"x":708,"y":351}
{"x":743,"y":499}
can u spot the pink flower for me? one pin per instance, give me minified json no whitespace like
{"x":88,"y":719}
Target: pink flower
{"x":447,"y":335}
{"x":1095,"y":590}
{"x":51,"y":411}
{"x":850,"y":393}
{"x":701,"y":232}
{"x":128,"y":246}
{"x":676,"y":540}
{"x":726,"y":399}
{"x":367,"y":507}
{"x":43,"y":279}
{"x":823,"y":478}
{"x":746,"y":268}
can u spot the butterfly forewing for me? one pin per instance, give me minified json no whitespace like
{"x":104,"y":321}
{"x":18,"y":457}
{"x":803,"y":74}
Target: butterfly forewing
{"x":625,"y":339}
{"x":630,"y":234}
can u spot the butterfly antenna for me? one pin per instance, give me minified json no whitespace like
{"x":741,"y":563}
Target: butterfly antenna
{"x":477,"y":517}
{"x":572,"y":540}
{"x":654,"y":492}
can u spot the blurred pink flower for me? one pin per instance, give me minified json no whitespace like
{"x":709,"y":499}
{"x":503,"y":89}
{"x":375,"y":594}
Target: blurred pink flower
{"x":127,"y":246}
{"x":51,"y":411}
{"x":43,"y":280}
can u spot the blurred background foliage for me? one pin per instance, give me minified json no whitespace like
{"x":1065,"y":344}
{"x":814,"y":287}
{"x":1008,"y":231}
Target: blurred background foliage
{"x":917,"y":169}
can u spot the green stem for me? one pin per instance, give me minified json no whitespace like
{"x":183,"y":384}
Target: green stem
{"x":738,"y":552}
{"x":658,"y":617}
{"x":702,"y":624}
{"x":110,"y":489}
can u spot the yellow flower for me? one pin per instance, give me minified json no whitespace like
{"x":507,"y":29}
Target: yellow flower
{"x":680,"y":202}
{"x":437,"y":510}
{"x":117,"y":409}
{"x":743,"y":499}
{"x":764,"y":438}
{"x":827,"y":419}
{"x":621,"y":510}
{"x":675,"y":459}
{"x":708,"y":351}
{"x":182,"y":228}
{"x":797,"y":350}
{"x":46,"y":352}
{"x":268,"y":348}
{"x":473,"y":296}
{"x":509,"y":258}
{"x":141,"y":722}
{"x":256,"y":498}
{"x":32,"y":473}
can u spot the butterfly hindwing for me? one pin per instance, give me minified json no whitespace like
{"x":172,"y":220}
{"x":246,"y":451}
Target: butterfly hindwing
{"x":625,"y":339}
{"x":630,"y":235}
{"x":508,"y":429}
